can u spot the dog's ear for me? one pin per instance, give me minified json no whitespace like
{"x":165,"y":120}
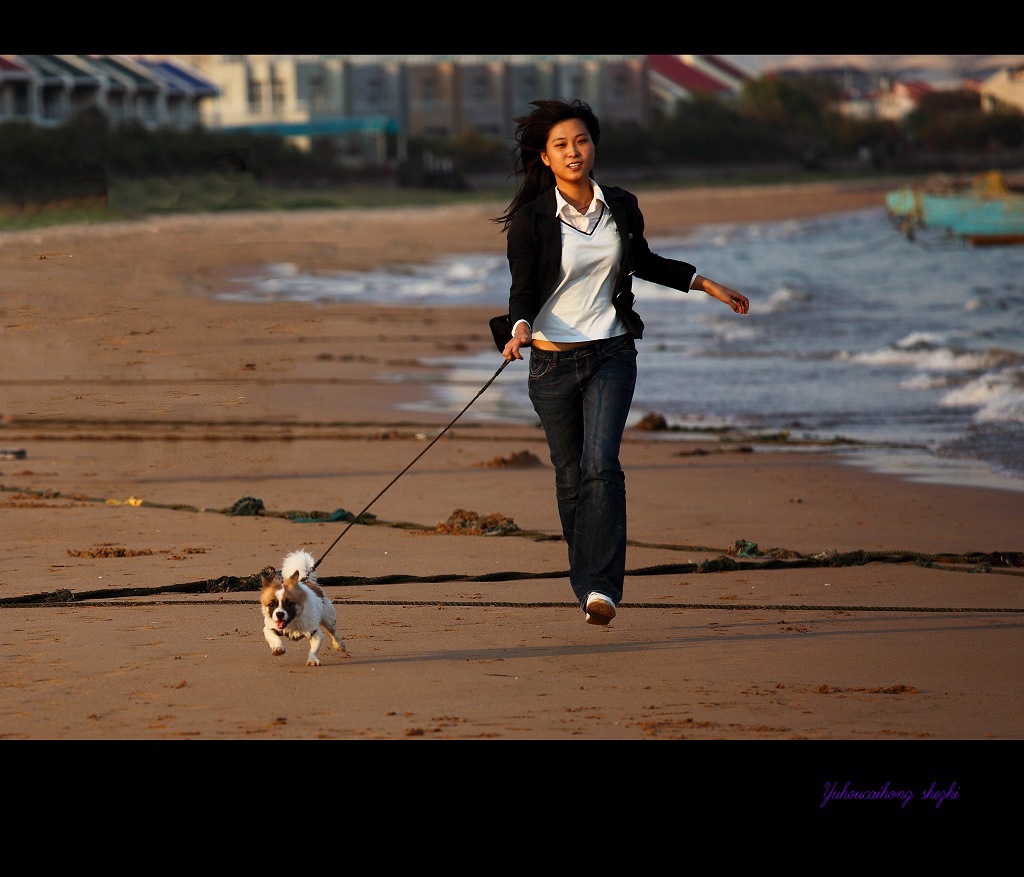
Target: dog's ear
{"x":292,"y":580}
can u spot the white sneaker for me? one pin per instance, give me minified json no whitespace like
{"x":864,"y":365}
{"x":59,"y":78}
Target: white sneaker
{"x":599,"y":608}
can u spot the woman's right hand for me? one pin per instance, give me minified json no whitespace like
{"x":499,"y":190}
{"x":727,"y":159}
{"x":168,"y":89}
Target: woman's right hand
{"x":521,"y":337}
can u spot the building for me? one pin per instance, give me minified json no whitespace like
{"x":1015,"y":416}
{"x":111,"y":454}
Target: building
{"x":49,"y":90}
{"x":674,"y":78}
{"x":370,"y":106}
{"x":373,"y":105}
{"x":1003,"y":90}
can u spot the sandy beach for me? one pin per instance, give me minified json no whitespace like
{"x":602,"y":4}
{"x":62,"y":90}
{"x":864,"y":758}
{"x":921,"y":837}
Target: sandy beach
{"x":161,"y":447}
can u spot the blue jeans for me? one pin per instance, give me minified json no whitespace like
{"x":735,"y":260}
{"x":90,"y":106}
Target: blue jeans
{"x":582,"y":397}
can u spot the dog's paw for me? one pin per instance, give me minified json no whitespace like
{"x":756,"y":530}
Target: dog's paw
{"x":277,"y":652}
{"x":313,"y":662}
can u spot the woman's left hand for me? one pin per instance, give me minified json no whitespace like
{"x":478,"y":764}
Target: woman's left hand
{"x":736,"y":300}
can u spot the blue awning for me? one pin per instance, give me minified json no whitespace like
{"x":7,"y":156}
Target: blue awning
{"x":180,"y":80}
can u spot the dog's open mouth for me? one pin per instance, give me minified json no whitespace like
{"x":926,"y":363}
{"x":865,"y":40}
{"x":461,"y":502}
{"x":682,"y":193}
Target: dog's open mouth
{"x":281,"y":624}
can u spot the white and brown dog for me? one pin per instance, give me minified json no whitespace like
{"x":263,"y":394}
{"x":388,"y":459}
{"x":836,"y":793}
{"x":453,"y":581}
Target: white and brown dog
{"x":295,"y":607}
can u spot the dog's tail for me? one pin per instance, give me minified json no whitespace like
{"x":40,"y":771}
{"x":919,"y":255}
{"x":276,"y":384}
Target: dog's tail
{"x":301,"y":562}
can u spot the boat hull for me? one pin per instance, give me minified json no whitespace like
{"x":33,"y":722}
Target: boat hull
{"x":985,"y":213}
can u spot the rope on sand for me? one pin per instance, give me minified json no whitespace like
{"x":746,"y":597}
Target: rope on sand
{"x":728,"y":560}
{"x":780,"y":607}
{"x":1008,"y":563}
{"x":246,"y":506}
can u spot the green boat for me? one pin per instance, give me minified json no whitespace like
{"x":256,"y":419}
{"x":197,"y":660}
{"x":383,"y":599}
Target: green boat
{"x":983,"y":210}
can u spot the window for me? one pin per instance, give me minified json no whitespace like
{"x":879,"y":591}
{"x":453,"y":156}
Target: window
{"x":317,"y":96}
{"x":428,"y":92}
{"x":255,"y":96}
{"x":278,"y":93}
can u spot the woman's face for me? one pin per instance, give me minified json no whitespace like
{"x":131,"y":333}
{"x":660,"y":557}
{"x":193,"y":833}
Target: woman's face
{"x":569,"y":151}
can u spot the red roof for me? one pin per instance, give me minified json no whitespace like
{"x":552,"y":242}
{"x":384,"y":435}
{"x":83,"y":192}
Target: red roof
{"x":673,"y":68}
{"x":728,"y":68}
{"x":915,"y":89}
{"x":11,"y":69}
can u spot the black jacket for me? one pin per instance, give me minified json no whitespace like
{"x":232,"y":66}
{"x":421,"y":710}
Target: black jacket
{"x":534,"y":247}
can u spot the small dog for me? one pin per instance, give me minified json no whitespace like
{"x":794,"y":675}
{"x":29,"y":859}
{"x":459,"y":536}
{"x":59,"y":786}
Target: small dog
{"x":295,"y":606}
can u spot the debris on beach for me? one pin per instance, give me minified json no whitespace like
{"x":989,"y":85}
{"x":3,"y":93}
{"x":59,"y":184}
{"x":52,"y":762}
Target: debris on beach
{"x":466,"y":523}
{"x":132,"y":501}
{"x":109,"y":549}
{"x":518,"y":459}
{"x":247,"y":506}
{"x":653,"y":422}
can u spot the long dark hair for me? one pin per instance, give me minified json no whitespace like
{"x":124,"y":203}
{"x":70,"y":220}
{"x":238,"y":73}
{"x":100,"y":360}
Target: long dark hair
{"x":531,"y":138}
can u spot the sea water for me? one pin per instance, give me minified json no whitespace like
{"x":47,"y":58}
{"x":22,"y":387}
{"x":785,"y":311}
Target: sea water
{"x":903,"y":355}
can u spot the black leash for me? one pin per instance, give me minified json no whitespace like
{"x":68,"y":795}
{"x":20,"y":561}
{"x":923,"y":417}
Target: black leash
{"x":407,"y":468}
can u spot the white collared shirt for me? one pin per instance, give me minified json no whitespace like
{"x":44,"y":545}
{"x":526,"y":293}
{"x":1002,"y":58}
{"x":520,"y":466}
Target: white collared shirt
{"x":586,"y":221}
{"x":580,"y":308}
